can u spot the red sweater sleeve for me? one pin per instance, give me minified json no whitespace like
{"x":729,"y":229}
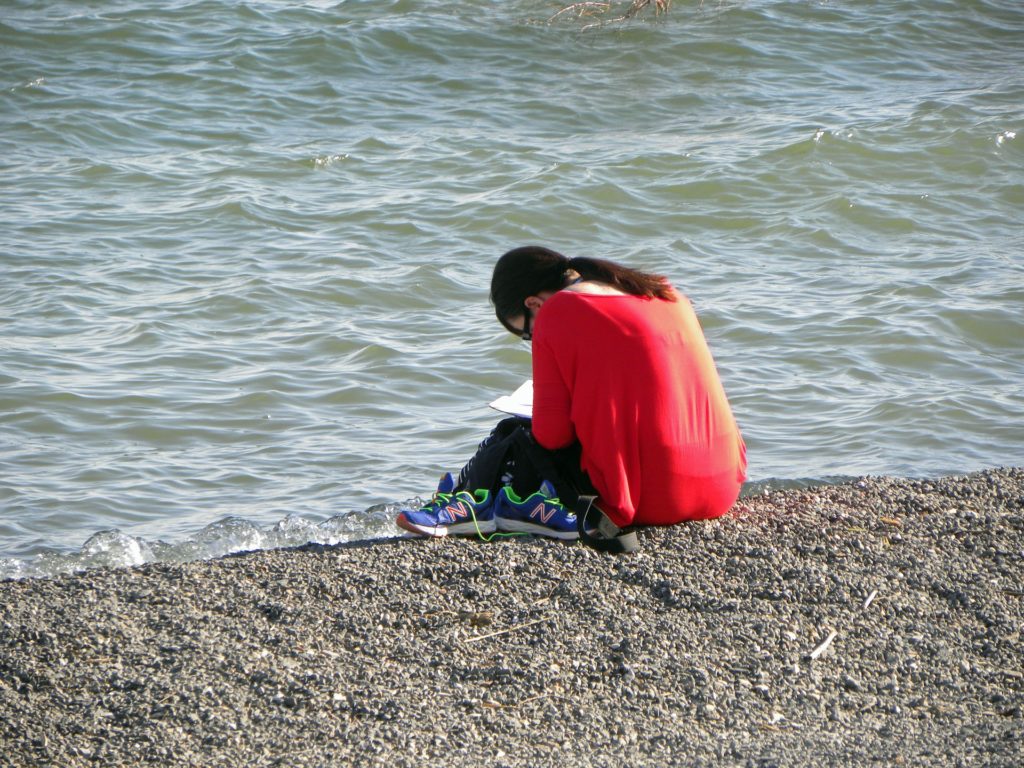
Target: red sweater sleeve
{"x":552,"y":404}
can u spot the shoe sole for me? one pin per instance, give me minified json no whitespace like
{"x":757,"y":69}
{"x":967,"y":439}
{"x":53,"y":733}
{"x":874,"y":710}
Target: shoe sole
{"x":440,"y":531}
{"x":521,"y":526}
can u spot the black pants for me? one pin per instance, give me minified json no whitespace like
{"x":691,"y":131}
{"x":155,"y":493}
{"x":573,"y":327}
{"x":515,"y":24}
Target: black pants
{"x":510,"y":456}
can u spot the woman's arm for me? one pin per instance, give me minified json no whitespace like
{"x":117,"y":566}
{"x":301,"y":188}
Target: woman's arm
{"x":552,"y":401}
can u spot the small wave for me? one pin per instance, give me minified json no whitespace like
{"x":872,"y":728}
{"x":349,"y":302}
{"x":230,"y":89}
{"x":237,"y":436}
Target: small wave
{"x":229,"y":535}
{"x":323,"y":161}
{"x":38,"y":82}
{"x":770,"y":484}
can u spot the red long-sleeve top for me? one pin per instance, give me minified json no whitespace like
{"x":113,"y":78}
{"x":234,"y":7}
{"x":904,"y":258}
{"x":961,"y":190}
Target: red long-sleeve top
{"x":633,"y":380}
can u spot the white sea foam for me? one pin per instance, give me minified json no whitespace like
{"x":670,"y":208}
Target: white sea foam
{"x":115,"y":549}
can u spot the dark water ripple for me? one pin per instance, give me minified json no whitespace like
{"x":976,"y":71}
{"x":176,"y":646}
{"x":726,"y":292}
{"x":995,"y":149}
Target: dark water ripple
{"x":246,"y":248}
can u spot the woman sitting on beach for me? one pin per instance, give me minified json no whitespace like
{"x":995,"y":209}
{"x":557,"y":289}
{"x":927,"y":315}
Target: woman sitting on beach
{"x":628,"y":407}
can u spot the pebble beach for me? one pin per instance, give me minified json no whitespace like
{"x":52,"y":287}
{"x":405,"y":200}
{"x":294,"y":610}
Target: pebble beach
{"x":875,"y":622}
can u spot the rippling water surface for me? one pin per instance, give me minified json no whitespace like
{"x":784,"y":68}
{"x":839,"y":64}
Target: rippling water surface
{"x":245,"y":247}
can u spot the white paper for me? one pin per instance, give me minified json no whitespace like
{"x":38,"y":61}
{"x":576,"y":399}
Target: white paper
{"x":519,"y":403}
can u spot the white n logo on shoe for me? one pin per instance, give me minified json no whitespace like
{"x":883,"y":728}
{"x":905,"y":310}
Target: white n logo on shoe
{"x":543,"y":512}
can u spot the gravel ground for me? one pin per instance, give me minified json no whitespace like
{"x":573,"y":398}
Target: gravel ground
{"x":874,"y":622}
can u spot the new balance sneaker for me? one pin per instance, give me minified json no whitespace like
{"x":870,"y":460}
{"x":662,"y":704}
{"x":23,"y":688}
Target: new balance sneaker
{"x":540,"y":513}
{"x":449,"y":513}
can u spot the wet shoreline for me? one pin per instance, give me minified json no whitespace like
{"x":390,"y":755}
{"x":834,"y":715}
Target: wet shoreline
{"x":874,"y":621}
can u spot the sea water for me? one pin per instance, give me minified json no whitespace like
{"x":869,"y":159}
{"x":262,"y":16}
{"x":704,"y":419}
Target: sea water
{"x":245,"y":247}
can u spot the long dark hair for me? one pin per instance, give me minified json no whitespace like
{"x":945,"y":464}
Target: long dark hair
{"x":527,"y":271}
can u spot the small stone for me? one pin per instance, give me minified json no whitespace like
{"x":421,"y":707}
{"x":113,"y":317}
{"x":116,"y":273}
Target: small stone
{"x":850,"y":684}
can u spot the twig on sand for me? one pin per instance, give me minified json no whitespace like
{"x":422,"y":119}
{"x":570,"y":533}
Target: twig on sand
{"x":871,"y":598}
{"x":506,"y":630}
{"x":824,"y":646}
{"x":512,"y":705}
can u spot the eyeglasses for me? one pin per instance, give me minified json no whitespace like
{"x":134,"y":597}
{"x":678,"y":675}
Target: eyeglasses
{"x":526,"y":335}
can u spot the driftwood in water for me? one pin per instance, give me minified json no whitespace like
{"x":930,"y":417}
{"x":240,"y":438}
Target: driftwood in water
{"x":610,"y":12}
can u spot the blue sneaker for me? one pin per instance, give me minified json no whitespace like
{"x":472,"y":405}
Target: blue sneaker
{"x":449,"y":513}
{"x":540,"y":513}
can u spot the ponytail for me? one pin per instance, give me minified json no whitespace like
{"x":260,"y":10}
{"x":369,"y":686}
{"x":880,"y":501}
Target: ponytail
{"x":626,"y":279}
